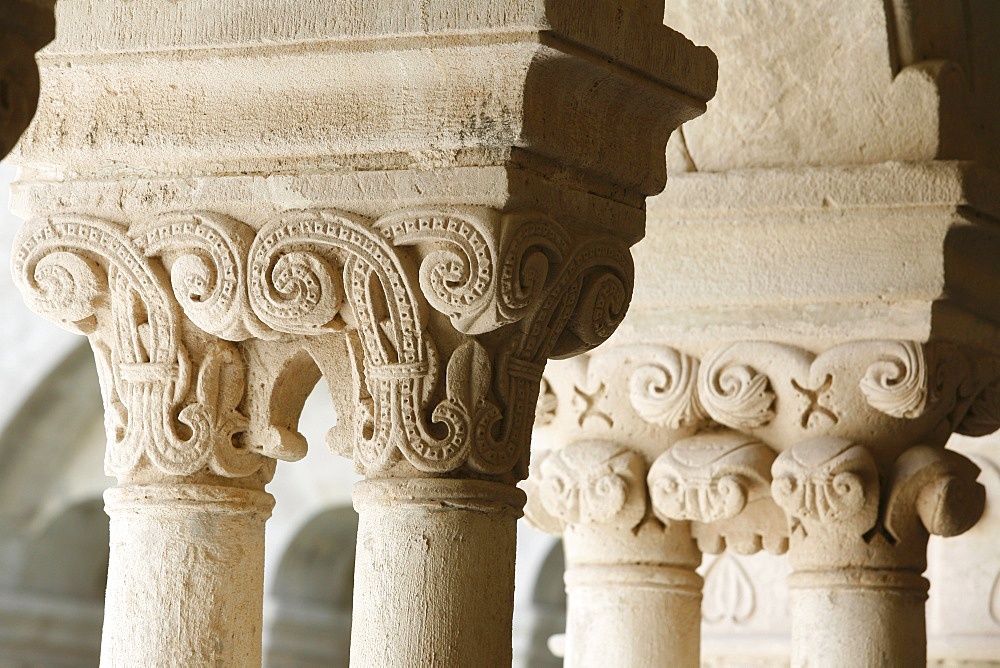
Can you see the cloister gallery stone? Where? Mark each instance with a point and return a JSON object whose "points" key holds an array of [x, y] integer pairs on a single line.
{"points": [[789, 379], [419, 203]]}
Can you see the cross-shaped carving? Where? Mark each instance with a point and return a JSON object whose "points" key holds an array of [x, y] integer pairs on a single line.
{"points": [[588, 402], [815, 407]]}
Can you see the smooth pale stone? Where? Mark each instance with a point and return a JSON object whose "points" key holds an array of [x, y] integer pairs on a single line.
{"points": [[632, 615], [186, 576], [858, 618], [434, 576]]}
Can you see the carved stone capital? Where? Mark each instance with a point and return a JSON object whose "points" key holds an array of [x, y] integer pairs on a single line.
{"points": [[721, 483], [840, 515], [173, 395], [644, 395], [25, 27], [437, 243], [888, 395], [595, 495], [449, 317], [829, 488]]}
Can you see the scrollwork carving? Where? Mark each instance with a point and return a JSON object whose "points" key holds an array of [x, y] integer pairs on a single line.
{"points": [[896, 384], [432, 392], [936, 488], [208, 272], [663, 390], [736, 395], [382, 279], [76, 271]]}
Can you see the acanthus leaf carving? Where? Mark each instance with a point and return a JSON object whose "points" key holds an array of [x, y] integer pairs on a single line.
{"points": [[735, 395], [897, 383], [663, 390], [984, 416]]}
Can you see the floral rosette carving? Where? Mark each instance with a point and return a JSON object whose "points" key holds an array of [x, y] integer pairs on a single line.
{"points": [[91, 277]]}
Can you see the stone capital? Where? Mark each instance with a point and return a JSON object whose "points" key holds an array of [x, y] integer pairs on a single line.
{"points": [[436, 243]]}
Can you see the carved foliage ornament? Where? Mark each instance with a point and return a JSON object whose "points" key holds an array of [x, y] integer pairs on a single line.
{"points": [[899, 391], [636, 385], [440, 398]]}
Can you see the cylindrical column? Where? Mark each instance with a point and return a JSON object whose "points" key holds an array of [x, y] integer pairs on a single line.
{"points": [[434, 576], [858, 617], [186, 576], [633, 615]]}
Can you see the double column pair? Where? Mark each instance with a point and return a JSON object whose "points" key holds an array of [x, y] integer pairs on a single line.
{"points": [[418, 206], [837, 459]]}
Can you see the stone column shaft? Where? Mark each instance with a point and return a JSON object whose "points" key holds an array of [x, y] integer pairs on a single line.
{"points": [[632, 614], [858, 617], [185, 577], [440, 554]]}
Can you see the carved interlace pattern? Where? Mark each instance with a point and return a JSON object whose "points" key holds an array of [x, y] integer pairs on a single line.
{"points": [[424, 297], [77, 271]]}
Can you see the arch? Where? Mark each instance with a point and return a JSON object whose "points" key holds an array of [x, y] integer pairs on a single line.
{"points": [[52, 614], [312, 594], [548, 601]]}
